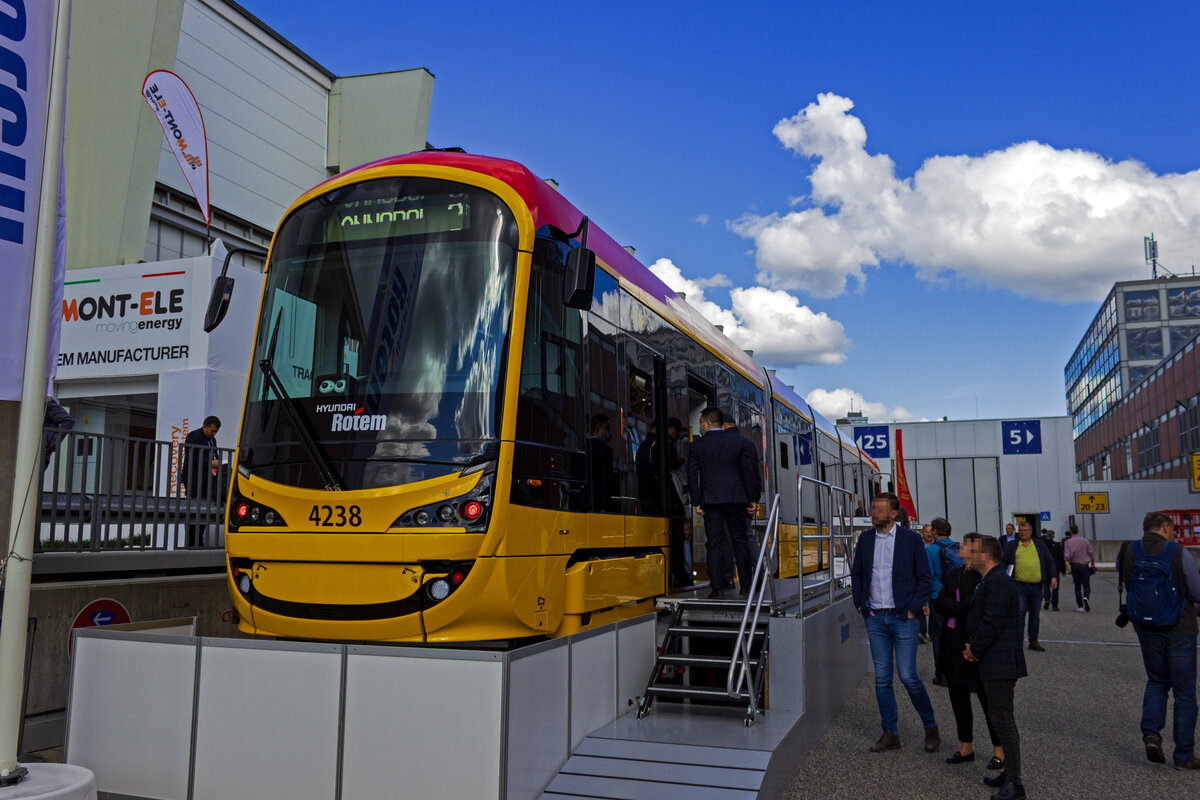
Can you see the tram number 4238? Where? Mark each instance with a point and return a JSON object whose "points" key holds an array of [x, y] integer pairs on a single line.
{"points": [[336, 516]]}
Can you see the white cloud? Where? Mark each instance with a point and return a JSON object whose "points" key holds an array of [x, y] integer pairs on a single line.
{"points": [[701, 218], [771, 322], [1055, 224], [839, 402]]}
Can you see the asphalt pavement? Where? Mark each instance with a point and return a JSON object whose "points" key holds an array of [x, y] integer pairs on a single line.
{"points": [[1078, 714]]}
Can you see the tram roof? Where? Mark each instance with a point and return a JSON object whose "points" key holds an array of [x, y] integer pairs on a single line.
{"points": [[549, 207]]}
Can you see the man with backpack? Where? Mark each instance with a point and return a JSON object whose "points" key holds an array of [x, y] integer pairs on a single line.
{"points": [[1163, 586], [943, 557]]}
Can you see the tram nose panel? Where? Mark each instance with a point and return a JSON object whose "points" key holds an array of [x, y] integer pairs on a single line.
{"points": [[354, 584]]}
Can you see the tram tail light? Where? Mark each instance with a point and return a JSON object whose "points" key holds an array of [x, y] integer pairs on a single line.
{"points": [[242, 510], [471, 510]]}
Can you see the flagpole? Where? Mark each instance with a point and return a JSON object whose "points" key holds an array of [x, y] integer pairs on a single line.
{"points": [[18, 562]]}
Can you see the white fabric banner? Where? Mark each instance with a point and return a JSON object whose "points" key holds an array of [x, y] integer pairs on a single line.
{"points": [[26, 40], [183, 126]]}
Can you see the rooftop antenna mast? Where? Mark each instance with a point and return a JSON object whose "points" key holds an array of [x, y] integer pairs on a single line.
{"points": [[1151, 250]]}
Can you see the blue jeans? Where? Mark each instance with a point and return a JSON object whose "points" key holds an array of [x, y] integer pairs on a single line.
{"points": [[1082, 575], [1031, 604], [1170, 665], [888, 631]]}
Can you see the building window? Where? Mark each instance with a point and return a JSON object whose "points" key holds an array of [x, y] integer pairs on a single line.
{"points": [[1141, 305], [1105, 468], [1149, 449], [1188, 424], [1181, 334], [1136, 374], [1143, 343], [1183, 303]]}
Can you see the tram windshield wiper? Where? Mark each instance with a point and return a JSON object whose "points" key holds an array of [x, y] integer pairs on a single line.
{"points": [[332, 481]]}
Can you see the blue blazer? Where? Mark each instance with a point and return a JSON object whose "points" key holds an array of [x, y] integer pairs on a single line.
{"points": [[911, 578]]}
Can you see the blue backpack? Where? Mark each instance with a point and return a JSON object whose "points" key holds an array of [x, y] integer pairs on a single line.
{"points": [[950, 557], [1153, 600]]}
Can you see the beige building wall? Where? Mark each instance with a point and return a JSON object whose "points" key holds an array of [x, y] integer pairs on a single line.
{"points": [[112, 148], [380, 115]]}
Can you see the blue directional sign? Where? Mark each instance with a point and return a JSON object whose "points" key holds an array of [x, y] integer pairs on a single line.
{"points": [[101, 618], [1045, 516], [804, 448], [1021, 437], [874, 440]]}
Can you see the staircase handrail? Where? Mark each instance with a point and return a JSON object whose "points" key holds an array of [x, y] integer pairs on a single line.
{"points": [[741, 672]]}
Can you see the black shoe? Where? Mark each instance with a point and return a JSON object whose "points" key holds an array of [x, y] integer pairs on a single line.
{"points": [[1054, 609], [1086, 605], [959, 758], [996, 780], [933, 739], [939, 681], [996, 763], [1154, 751], [716, 594], [1191, 763], [1011, 791], [1046, 606]]}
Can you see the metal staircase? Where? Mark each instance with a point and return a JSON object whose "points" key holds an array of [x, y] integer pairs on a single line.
{"points": [[715, 651]]}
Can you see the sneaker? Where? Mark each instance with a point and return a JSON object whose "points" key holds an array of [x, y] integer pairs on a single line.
{"points": [[1154, 751], [1191, 763], [1080, 609], [1086, 606]]}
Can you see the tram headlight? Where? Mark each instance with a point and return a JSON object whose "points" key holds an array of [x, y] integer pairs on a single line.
{"points": [[445, 513], [422, 517], [439, 589], [244, 583], [255, 514]]}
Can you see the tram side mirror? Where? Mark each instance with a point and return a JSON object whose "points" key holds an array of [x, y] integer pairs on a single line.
{"points": [[579, 279], [222, 291], [218, 302]]}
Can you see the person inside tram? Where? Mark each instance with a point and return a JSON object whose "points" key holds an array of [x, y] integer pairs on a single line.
{"points": [[600, 463]]}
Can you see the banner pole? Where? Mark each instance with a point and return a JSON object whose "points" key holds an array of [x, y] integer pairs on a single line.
{"points": [[18, 562]]}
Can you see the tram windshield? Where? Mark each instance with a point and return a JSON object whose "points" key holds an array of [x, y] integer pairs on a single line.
{"points": [[384, 327]]}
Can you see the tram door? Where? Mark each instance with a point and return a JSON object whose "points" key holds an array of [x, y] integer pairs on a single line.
{"points": [[699, 396]]}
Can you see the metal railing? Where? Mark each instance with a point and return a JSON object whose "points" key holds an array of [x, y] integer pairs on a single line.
{"points": [[834, 549], [104, 493], [743, 673]]}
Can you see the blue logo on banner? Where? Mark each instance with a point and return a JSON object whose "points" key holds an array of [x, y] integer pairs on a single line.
{"points": [[874, 440], [1021, 437]]}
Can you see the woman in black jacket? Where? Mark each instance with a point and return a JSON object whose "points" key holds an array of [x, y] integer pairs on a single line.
{"points": [[962, 676]]}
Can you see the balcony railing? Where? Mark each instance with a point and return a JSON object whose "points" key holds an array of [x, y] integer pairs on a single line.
{"points": [[105, 493]]}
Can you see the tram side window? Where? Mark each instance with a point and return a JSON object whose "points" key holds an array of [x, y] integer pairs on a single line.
{"points": [[550, 407], [605, 444]]}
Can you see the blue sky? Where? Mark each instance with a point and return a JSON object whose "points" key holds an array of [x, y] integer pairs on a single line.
{"points": [[919, 205]]}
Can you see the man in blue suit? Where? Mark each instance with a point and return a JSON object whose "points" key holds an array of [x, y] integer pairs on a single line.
{"points": [[891, 582], [721, 485]]}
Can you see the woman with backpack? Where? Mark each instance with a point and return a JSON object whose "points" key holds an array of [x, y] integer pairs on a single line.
{"points": [[962, 676]]}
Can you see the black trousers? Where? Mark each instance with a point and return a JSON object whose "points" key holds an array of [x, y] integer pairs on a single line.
{"points": [[1000, 715], [964, 717], [679, 572], [731, 517]]}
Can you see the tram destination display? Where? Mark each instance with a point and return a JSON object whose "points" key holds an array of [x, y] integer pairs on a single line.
{"points": [[384, 217]]}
